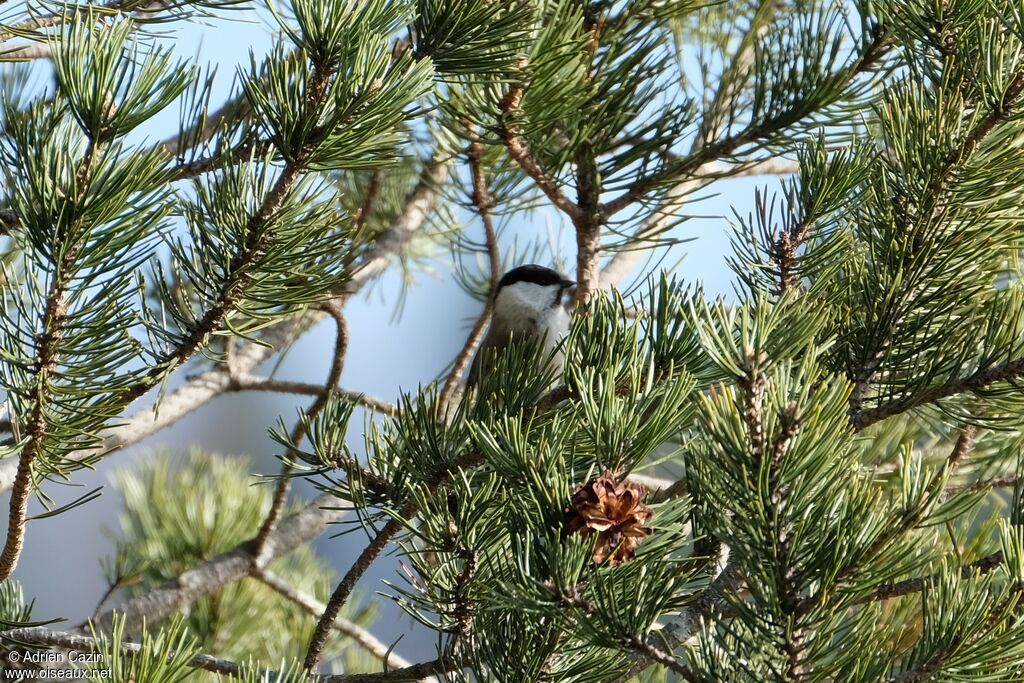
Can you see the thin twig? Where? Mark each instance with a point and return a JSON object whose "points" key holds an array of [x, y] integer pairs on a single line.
{"points": [[311, 605], [298, 433], [519, 150], [280, 386], [483, 202], [347, 584]]}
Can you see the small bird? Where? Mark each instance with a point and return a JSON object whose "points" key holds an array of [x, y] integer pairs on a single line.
{"points": [[527, 305]]}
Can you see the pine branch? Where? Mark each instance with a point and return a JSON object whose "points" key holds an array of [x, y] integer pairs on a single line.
{"points": [[259, 237], [197, 391], [710, 128], [932, 666], [184, 400], [347, 584], [869, 57], [369, 201], [238, 154], [644, 238], [47, 342], [974, 383], [934, 193], [713, 601], [47, 345], [993, 483], [234, 110], [209, 577]]}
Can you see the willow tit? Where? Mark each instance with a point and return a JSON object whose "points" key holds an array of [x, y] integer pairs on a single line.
{"points": [[527, 304]]}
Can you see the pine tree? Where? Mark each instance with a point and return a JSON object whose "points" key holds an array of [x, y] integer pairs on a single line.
{"points": [[816, 479]]}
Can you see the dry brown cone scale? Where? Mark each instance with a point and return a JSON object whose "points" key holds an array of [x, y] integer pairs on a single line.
{"points": [[614, 510]]}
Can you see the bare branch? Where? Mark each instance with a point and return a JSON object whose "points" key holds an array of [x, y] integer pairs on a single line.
{"points": [[366, 640], [333, 309], [211, 576], [281, 386], [483, 202], [347, 585]]}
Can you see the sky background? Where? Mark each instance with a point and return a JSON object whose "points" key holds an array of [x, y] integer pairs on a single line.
{"points": [[60, 566]]}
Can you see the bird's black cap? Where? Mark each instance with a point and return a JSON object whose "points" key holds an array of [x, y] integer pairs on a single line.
{"points": [[538, 275]]}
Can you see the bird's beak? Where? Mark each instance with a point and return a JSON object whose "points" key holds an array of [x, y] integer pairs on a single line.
{"points": [[566, 284]]}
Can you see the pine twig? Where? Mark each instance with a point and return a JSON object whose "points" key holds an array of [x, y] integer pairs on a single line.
{"points": [[378, 649], [484, 202], [519, 150], [248, 382], [333, 309], [347, 584], [197, 391], [975, 382], [887, 591]]}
